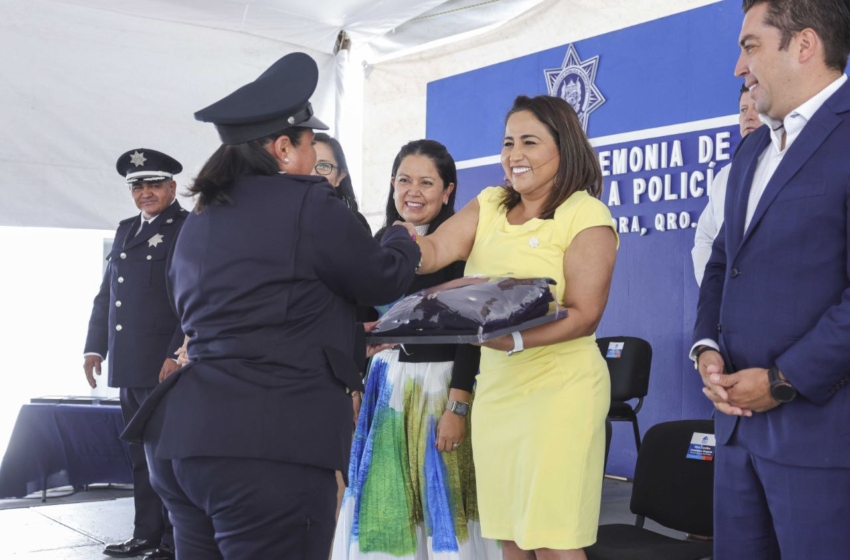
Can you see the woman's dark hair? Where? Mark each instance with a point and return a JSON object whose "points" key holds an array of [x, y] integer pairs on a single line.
{"points": [[445, 165], [344, 191], [230, 162], [578, 169]]}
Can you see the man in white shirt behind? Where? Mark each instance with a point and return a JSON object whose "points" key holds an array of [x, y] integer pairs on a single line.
{"points": [[712, 216]]}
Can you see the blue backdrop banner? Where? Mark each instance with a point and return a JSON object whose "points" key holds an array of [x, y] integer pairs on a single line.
{"points": [[659, 102]]}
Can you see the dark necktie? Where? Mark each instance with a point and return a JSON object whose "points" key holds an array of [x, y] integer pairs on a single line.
{"points": [[143, 229]]}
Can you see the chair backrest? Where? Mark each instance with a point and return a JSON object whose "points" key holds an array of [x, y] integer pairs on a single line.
{"points": [[629, 360], [670, 488]]}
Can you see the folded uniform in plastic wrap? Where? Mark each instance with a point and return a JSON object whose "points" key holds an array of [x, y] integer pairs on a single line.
{"points": [[469, 309]]}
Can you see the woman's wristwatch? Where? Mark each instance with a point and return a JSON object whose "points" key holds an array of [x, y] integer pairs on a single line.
{"points": [[459, 408], [518, 347]]}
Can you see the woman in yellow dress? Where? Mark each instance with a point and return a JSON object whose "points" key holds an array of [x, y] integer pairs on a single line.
{"points": [[543, 394]]}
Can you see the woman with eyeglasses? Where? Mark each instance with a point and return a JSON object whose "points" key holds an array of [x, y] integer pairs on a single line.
{"points": [[331, 164], [412, 485]]}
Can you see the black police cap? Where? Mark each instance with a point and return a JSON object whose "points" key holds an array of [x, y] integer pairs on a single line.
{"points": [[277, 100], [143, 164]]}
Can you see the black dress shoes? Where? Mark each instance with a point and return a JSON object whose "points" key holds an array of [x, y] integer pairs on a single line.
{"points": [[131, 548], [163, 552]]}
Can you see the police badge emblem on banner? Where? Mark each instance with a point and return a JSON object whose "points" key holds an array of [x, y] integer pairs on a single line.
{"points": [[574, 82]]}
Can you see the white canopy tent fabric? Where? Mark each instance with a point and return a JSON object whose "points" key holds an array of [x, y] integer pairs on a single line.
{"points": [[309, 25], [81, 86], [82, 81]]}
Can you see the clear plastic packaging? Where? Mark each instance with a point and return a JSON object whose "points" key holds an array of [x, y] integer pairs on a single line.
{"points": [[468, 310]]}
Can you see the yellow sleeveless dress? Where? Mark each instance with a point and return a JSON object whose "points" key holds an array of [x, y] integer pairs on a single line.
{"points": [[538, 424]]}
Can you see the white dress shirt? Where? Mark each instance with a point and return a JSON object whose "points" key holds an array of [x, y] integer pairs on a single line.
{"points": [[709, 222], [791, 126], [769, 160]]}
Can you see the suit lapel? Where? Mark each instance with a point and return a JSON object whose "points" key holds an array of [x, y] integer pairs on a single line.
{"points": [[134, 227], [737, 203], [816, 131], [152, 229], [144, 235]]}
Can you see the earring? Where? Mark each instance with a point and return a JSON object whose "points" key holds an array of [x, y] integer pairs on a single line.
{"points": [[286, 160]]}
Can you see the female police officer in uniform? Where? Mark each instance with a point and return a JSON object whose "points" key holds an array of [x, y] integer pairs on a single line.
{"points": [[244, 440]]}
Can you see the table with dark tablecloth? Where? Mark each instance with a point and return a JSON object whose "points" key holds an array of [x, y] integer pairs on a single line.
{"points": [[56, 445]]}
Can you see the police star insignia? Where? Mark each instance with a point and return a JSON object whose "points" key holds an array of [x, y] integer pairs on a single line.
{"points": [[138, 158], [574, 83], [155, 240]]}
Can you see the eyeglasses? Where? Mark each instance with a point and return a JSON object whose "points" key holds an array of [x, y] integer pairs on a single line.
{"points": [[325, 168]]}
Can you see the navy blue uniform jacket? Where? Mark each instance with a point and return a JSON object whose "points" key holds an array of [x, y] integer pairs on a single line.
{"points": [[133, 323], [266, 288], [779, 293]]}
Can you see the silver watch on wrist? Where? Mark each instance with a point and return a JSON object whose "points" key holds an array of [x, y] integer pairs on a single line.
{"points": [[518, 347], [459, 408]]}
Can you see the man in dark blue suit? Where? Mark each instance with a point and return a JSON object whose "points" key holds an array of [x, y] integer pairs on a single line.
{"points": [[134, 324], [773, 324]]}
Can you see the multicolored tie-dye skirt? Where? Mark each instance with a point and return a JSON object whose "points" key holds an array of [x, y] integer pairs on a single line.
{"points": [[406, 499]]}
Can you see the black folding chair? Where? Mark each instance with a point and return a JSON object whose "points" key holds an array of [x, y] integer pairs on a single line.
{"points": [[629, 360], [672, 490]]}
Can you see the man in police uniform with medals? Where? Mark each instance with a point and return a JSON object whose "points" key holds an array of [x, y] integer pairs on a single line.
{"points": [[134, 324]]}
